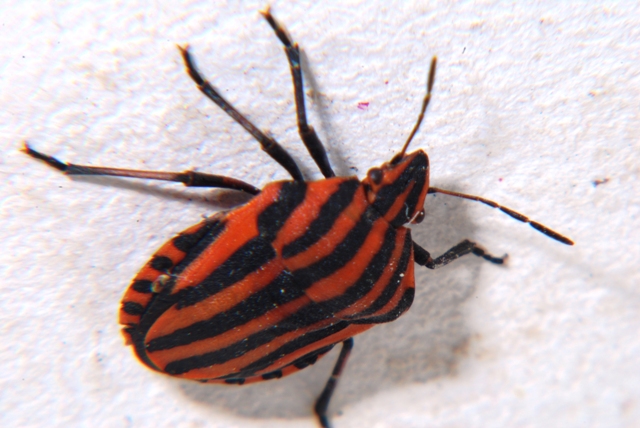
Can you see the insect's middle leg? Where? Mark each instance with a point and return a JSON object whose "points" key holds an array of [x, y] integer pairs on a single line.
{"points": [[423, 258], [306, 131]]}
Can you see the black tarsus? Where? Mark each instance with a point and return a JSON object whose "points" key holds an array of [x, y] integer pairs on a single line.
{"points": [[188, 178], [268, 144], [423, 258], [306, 131], [322, 403]]}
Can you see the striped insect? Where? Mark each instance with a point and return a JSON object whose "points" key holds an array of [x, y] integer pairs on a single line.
{"points": [[264, 290]]}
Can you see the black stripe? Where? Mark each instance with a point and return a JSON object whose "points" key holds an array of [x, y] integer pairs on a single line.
{"points": [[405, 303], [138, 346], [311, 357], [133, 308], [142, 286], [240, 348], [301, 363], [327, 216], [198, 241], [293, 346], [410, 202], [394, 281], [253, 254], [280, 291], [159, 304], [277, 374], [186, 241], [387, 195], [247, 259], [271, 220], [161, 263]]}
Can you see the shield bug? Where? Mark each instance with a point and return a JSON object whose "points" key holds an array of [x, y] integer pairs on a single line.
{"points": [[264, 290]]}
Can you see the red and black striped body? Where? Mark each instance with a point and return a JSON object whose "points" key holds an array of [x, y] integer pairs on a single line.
{"points": [[263, 290]]}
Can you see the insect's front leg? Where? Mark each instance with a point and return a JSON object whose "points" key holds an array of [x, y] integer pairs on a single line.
{"points": [[423, 258]]}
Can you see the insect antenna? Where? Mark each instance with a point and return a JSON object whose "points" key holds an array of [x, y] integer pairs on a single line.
{"points": [[521, 217], [425, 103]]}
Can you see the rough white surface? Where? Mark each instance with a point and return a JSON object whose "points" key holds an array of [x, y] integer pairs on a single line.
{"points": [[533, 102]]}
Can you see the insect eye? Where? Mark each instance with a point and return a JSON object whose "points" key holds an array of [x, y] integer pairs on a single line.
{"points": [[375, 175], [419, 217]]}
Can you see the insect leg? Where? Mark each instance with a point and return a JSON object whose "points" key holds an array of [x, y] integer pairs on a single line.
{"points": [[306, 131], [269, 145], [188, 178], [322, 403], [423, 258]]}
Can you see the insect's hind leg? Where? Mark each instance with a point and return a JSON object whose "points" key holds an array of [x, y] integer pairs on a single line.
{"points": [[423, 258], [322, 403], [188, 178], [306, 131]]}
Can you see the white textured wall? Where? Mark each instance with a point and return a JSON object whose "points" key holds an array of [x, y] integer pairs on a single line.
{"points": [[532, 103]]}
